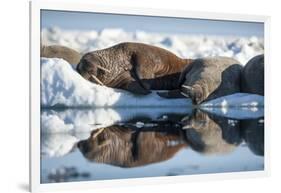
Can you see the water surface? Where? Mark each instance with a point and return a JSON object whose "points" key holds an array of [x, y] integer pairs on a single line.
{"points": [[101, 144]]}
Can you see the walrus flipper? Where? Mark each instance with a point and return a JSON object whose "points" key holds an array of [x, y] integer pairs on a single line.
{"points": [[125, 81], [141, 87], [136, 88]]}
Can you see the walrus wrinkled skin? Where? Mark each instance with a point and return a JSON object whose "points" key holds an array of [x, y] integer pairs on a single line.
{"points": [[127, 147], [56, 51], [208, 78], [252, 80], [135, 67]]}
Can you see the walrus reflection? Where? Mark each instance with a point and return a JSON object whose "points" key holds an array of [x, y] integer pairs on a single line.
{"points": [[127, 147], [209, 134], [253, 134]]}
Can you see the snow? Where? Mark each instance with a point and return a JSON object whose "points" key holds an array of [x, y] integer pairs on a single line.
{"points": [[183, 45]]}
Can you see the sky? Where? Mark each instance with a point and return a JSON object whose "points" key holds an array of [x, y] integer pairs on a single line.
{"points": [[98, 21]]}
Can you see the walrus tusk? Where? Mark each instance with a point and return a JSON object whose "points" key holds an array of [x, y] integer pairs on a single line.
{"points": [[187, 87], [102, 68], [187, 127], [97, 133], [97, 80], [185, 95]]}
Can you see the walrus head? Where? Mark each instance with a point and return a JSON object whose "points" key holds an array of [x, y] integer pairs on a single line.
{"points": [[91, 68]]}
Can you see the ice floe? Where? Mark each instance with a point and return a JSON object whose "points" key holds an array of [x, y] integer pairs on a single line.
{"points": [[183, 45]]}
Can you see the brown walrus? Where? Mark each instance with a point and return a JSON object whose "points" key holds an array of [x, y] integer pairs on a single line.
{"points": [[252, 80], [208, 78], [56, 51], [126, 147], [135, 67]]}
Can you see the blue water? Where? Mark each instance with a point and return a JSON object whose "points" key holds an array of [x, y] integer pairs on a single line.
{"points": [[166, 145]]}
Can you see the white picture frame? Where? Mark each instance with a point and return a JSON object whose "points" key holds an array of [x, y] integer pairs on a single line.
{"points": [[64, 5]]}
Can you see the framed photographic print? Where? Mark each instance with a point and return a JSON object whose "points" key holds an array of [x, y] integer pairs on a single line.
{"points": [[126, 96]]}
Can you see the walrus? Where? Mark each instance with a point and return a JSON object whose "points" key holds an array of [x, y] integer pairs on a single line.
{"points": [[136, 67], [208, 78], [128, 147], [57, 51], [252, 79]]}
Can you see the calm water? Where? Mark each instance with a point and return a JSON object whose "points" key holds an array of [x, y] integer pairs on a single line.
{"points": [[100, 144]]}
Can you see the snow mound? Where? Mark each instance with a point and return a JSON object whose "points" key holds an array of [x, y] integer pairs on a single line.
{"points": [[61, 85], [183, 45]]}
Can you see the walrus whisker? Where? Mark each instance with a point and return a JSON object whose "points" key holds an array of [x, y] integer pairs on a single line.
{"points": [[97, 80], [97, 133], [104, 69]]}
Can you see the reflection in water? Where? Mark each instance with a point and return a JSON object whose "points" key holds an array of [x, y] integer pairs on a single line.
{"points": [[160, 143], [127, 145], [253, 134], [211, 134], [66, 174]]}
